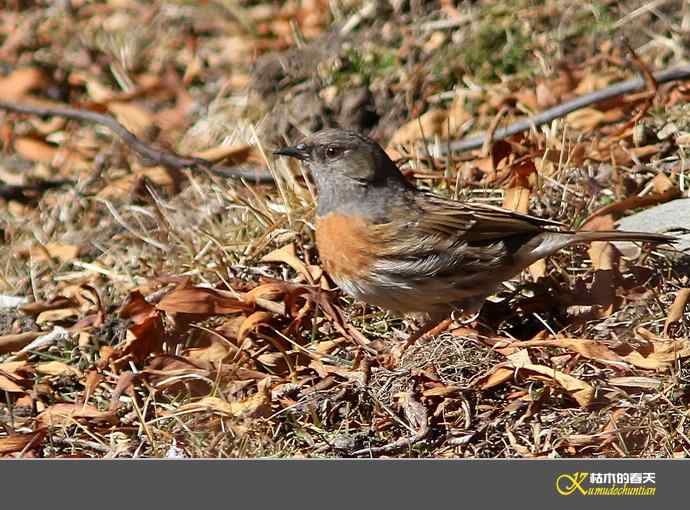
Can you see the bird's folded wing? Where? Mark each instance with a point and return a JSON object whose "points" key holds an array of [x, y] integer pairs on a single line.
{"points": [[472, 221]]}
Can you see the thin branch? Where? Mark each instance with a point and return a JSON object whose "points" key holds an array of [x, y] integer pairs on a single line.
{"points": [[417, 415], [650, 84], [489, 138], [154, 156], [150, 155], [401, 444], [618, 89]]}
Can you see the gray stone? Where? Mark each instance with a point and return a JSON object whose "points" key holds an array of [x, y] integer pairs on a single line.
{"points": [[662, 218]]}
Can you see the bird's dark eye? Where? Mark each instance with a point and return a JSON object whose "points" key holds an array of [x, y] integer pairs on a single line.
{"points": [[332, 152]]}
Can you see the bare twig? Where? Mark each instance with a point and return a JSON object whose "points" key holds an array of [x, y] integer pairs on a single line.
{"points": [[489, 139], [618, 89], [651, 86], [150, 155], [394, 447], [418, 418], [80, 444]]}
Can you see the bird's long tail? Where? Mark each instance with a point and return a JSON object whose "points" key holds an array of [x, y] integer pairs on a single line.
{"points": [[617, 235], [548, 243]]}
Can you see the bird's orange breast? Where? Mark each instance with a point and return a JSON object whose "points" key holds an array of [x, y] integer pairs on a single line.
{"points": [[344, 245]]}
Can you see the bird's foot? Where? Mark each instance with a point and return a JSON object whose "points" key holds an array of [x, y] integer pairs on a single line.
{"points": [[428, 330]]}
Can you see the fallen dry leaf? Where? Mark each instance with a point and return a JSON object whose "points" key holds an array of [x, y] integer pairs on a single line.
{"points": [[287, 255], [677, 310], [37, 307], [202, 300], [37, 150], [602, 221], [18, 442], [582, 392], [430, 124], [12, 367], [34, 149], [663, 353], [633, 202], [269, 291], [146, 334], [649, 383], [8, 385], [61, 252], [599, 439], [586, 119], [133, 117], [137, 308], [441, 391], [545, 97], [13, 343], [457, 117], [21, 81], [497, 377], [251, 323], [256, 406], [229, 154], [214, 353], [124, 382], [57, 368], [604, 256], [519, 358], [93, 379], [588, 348], [325, 370], [57, 315], [415, 412], [621, 155], [517, 199], [64, 414], [125, 186]]}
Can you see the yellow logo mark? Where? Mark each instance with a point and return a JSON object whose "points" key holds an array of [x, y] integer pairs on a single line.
{"points": [[567, 484]]}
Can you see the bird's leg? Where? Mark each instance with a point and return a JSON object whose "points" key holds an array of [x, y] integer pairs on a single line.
{"points": [[436, 324], [468, 310]]}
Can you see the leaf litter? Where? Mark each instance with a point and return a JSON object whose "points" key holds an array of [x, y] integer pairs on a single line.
{"points": [[172, 310]]}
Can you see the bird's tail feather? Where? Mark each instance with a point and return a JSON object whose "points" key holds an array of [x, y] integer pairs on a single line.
{"points": [[548, 243], [617, 235]]}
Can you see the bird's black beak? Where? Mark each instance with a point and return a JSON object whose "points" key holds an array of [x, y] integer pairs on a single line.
{"points": [[299, 151]]}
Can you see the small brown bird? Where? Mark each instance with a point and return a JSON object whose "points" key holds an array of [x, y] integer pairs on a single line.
{"points": [[391, 245]]}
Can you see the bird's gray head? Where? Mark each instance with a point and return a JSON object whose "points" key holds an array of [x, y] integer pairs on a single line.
{"points": [[346, 166]]}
